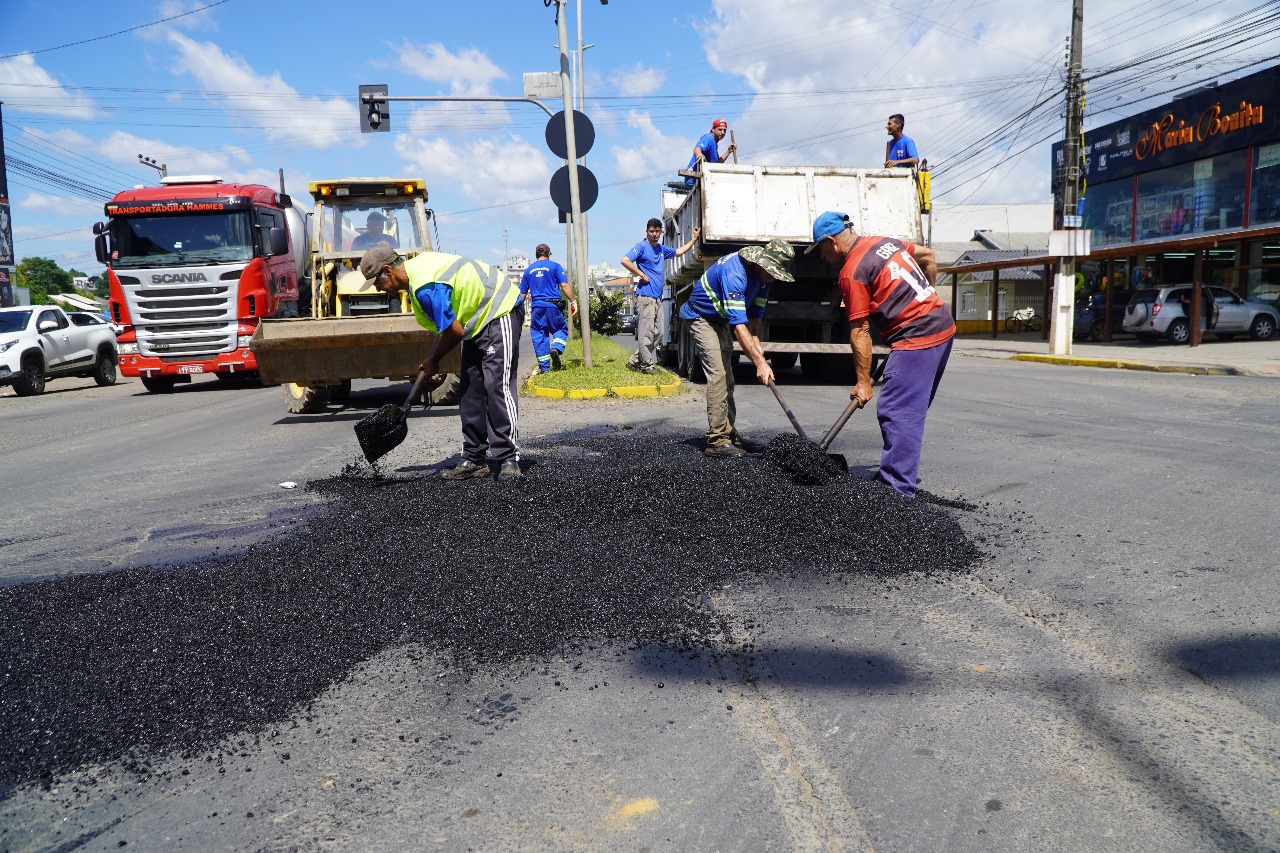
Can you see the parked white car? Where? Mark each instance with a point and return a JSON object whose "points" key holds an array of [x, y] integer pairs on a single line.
{"points": [[40, 342], [1156, 312]]}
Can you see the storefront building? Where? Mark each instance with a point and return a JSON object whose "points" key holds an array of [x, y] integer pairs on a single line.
{"points": [[1200, 174]]}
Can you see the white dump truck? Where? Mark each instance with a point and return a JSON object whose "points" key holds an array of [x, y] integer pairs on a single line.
{"points": [[350, 330], [741, 205]]}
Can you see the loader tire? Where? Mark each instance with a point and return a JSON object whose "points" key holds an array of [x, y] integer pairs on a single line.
{"points": [[302, 400]]}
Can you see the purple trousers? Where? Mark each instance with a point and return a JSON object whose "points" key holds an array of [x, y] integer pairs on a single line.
{"points": [[911, 379]]}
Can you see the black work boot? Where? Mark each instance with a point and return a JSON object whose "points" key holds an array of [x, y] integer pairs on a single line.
{"points": [[555, 360], [510, 470], [465, 470], [725, 451]]}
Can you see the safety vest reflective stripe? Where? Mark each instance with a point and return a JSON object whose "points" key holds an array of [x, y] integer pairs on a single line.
{"points": [[496, 294], [716, 302], [493, 282]]}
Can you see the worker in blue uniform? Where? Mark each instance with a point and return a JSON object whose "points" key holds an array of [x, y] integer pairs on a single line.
{"points": [[546, 288]]}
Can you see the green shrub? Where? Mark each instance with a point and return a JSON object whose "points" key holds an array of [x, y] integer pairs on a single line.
{"points": [[605, 314]]}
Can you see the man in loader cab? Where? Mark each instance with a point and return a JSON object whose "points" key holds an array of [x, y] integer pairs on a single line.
{"points": [[468, 302], [374, 234]]}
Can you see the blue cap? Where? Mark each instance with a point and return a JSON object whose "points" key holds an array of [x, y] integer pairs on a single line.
{"points": [[827, 225]]}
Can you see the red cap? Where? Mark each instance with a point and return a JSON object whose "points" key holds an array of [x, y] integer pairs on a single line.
{"points": [[719, 123]]}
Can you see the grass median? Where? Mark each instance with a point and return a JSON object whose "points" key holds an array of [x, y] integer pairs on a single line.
{"points": [[608, 369]]}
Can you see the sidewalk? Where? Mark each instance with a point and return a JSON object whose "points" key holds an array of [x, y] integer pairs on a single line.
{"points": [[1239, 357]]}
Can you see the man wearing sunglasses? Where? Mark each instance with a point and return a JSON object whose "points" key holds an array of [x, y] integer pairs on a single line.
{"points": [[469, 302]]}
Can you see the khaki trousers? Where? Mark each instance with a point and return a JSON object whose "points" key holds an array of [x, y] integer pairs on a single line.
{"points": [[648, 331], [713, 347]]}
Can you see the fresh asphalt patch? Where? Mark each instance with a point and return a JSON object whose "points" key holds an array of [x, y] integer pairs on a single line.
{"points": [[610, 541]]}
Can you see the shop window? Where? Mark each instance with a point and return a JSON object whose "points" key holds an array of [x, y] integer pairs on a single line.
{"points": [[1108, 212], [1192, 198], [1264, 204]]}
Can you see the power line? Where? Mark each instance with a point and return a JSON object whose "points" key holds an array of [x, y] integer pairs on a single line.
{"points": [[117, 33]]}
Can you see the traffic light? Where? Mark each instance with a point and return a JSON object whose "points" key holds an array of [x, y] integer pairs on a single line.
{"points": [[374, 117]]}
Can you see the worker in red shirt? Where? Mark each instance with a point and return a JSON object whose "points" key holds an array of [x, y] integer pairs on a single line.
{"points": [[890, 282]]}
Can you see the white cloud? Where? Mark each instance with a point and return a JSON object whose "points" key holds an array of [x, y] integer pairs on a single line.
{"points": [[486, 170], [653, 152], [468, 72], [266, 99], [35, 202], [639, 81], [199, 21], [26, 87], [961, 74]]}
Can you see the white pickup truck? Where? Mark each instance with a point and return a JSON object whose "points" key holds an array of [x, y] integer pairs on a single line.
{"points": [[42, 342]]}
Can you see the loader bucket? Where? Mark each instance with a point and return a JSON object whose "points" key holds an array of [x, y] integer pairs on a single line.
{"points": [[325, 351]]}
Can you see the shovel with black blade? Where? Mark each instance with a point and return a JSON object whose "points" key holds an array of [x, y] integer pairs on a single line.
{"points": [[382, 432]]}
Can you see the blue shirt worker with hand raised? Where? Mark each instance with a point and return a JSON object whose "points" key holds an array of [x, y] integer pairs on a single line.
{"points": [[471, 303], [708, 148], [900, 150], [726, 304], [646, 260], [543, 285]]}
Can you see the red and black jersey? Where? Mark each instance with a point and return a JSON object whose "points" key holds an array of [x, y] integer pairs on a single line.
{"points": [[881, 279]]}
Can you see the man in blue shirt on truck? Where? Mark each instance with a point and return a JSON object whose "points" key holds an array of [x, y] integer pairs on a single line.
{"points": [[726, 304], [646, 260]]}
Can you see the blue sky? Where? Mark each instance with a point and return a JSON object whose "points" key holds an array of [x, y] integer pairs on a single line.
{"points": [[244, 88]]}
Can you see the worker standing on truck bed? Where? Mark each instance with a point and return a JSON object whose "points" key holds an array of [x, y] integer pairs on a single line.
{"points": [[707, 148], [473, 303], [545, 285], [727, 303], [900, 150], [891, 281], [646, 260]]}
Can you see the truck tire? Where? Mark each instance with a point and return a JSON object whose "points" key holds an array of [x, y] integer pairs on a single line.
{"points": [[783, 360], [341, 392], [104, 371], [31, 382], [159, 384], [301, 400], [812, 365], [446, 394]]}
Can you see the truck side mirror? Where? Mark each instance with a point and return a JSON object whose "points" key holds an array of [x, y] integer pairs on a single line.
{"points": [[100, 248], [279, 242]]}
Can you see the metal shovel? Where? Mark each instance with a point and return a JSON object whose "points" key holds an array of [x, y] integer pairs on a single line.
{"points": [[382, 432], [790, 415]]}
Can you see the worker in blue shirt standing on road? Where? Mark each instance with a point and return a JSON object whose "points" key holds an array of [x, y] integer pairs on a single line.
{"points": [[645, 260], [471, 303], [727, 303], [542, 285]]}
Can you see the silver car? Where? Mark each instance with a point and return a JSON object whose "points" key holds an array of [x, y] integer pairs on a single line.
{"points": [[1156, 312]]}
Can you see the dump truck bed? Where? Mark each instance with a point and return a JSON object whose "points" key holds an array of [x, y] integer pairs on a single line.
{"points": [[326, 351]]}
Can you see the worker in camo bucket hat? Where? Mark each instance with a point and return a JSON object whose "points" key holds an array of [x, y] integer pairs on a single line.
{"points": [[727, 303]]}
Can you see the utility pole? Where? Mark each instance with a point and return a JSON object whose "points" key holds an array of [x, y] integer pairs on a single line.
{"points": [[506, 255], [582, 107], [571, 161], [1065, 285], [153, 163]]}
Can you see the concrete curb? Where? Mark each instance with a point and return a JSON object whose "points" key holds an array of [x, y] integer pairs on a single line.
{"points": [[1193, 369], [634, 391]]}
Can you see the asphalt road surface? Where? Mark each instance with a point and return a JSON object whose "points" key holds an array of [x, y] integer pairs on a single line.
{"points": [[1104, 679]]}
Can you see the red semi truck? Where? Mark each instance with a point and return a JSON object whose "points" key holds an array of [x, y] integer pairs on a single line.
{"points": [[194, 265]]}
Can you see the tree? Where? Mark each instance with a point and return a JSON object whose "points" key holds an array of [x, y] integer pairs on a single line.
{"points": [[605, 311], [42, 276], [101, 286]]}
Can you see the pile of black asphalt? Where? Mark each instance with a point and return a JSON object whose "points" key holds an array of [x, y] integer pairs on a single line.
{"points": [[805, 462], [611, 541]]}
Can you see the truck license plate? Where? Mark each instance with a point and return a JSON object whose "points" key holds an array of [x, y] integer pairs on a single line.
{"points": [[191, 368]]}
